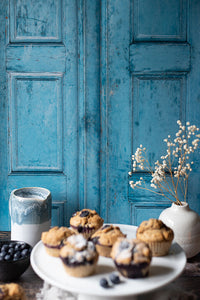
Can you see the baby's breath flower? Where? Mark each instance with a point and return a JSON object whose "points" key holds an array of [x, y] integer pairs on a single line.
{"points": [[174, 165], [153, 185]]}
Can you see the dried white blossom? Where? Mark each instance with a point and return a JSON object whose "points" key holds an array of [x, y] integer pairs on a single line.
{"points": [[178, 152]]}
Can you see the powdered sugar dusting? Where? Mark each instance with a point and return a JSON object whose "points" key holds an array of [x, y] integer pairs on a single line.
{"points": [[49, 292], [127, 253], [82, 251], [125, 250], [78, 241]]}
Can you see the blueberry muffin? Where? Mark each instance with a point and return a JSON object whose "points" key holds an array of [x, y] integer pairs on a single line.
{"points": [[86, 222], [79, 256], [12, 291], [105, 237], [54, 239], [131, 257], [157, 235]]}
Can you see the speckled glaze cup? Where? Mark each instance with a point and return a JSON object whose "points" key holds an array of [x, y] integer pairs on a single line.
{"points": [[30, 211]]}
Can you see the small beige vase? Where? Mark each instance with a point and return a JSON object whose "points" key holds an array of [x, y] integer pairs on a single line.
{"points": [[186, 226]]}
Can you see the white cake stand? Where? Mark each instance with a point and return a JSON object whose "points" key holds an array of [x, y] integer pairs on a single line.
{"points": [[162, 271]]}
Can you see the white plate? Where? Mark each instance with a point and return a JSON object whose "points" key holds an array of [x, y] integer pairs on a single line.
{"points": [[162, 271]]}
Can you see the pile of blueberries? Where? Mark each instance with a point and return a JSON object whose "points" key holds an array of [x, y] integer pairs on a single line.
{"points": [[13, 251], [114, 278]]}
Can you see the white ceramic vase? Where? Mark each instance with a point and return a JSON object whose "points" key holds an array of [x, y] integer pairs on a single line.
{"points": [[186, 226]]}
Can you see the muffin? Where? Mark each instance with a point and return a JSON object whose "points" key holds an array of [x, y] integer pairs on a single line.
{"points": [[12, 291], [79, 256], [131, 257], [86, 222], [105, 237], [157, 235], [54, 239]]}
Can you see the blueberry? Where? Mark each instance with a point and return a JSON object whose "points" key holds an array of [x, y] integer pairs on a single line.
{"points": [[8, 257], [17, 247], [95, 240], [114, 278], [24, 253], [11, 251], [80, 228], [104, 283], [11, 245], [124, 245], [134, 250], [84, 213], [3, 254], [4, 247], [17, 255], [23, 246]]}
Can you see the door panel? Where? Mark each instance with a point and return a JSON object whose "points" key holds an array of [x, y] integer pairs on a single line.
{"points": [[36, 122], [36, 58], [158, 101], [159, 20], [165, 57], [35, 21]]}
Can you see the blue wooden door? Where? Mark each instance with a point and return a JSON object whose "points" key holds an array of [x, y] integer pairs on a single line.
{"points": [[150, 79], [82, 84], [45, 106]]}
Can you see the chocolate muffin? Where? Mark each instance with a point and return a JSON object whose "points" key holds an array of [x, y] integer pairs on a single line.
{"points": [[79, 256], [54, 239], [105, 237], [86, 222], [132, 257], [157, 235], [12, 291]]}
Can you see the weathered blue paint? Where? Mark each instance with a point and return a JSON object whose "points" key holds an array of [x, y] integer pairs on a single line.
{"points": [[38, 21], [35, 58], [147, 85], [170, 57], [41, 64], [30, 131], [163, 97], [89, 104], [82, 85], [4, 197], [159, 20], [116, 110], [193, 98]]}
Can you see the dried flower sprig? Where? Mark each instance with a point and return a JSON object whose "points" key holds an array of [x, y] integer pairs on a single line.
{"points": [[172, 173]]}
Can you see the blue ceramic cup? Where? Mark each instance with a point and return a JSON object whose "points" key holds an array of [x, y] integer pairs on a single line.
{"points": [[30, 212]]}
